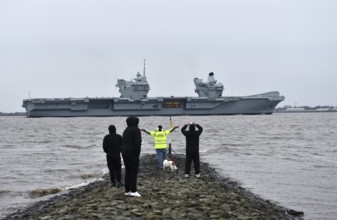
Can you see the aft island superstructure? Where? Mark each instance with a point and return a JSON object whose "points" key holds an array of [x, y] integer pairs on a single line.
{"points": [[134, 101]]}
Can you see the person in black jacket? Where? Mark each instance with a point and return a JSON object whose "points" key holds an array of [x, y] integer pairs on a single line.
{"points": [[131, 148], [192, 148], [112, 146]]}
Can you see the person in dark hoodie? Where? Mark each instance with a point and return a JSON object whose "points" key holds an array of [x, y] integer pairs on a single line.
{"points": [[131, 148], [112, 146], [192, 148]]}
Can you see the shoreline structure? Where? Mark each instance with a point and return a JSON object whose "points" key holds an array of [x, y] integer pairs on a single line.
{"points": [[165, 195]]}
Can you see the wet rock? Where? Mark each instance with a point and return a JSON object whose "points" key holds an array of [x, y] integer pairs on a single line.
{"points": [[295, 213], [44, 192], [165, 195]]}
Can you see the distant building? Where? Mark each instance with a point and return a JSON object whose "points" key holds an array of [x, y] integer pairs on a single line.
{"points": [[323, 109], [295, 109]]}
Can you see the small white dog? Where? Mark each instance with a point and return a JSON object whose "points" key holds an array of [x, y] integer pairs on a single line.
{"points": [[169, 164]]}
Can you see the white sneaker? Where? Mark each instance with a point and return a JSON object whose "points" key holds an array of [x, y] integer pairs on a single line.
{"points": [[135, 194], [197, 175], [127, 193], [186, 175]]}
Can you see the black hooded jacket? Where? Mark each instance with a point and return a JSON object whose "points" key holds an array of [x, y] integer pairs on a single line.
{"points": [[192, 138], [112, 143], [132, 138]]}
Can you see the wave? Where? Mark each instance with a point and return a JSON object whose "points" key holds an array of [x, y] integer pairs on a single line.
{"points": [[4, 192], [84, 146], [89, 176], [78, 185], [203, 151], [72, 146]]}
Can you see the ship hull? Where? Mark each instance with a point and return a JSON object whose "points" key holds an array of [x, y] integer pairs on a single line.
{"points": [[159, 106]]}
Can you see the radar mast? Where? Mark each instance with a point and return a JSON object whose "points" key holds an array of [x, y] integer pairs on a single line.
{"points": [[144, 68]]}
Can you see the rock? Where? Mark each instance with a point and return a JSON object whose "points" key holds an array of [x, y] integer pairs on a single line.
{"points": [[136, 212], [167, 195], [122, 207], [151, 216], [167, 211], [295, 213]]}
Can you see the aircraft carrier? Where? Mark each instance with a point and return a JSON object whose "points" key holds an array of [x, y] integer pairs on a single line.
{"points": [[134, 101]]}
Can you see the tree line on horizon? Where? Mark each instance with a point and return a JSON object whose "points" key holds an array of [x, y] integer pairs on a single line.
{"points": [[308, 107], [12, 113]]}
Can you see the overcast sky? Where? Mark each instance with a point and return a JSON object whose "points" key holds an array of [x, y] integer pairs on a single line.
{"points": [[79, 48]]}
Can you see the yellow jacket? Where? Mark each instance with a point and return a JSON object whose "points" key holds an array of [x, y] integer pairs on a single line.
{"points": [[160, 138]]}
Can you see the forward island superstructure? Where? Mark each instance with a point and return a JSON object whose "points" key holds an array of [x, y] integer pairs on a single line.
{"points": [[134, 101]]}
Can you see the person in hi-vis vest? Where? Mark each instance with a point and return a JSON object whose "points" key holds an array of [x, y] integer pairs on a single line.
{"points": [[160, 142]]}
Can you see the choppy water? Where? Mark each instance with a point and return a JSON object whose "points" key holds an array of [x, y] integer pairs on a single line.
{"points": [[288, 158]]}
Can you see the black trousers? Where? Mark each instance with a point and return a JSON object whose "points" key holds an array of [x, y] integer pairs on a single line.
{"points": [[131, 172], [196, 161], [115, 168]]}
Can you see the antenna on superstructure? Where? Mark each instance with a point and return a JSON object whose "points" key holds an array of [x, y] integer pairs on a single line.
{"points": [[144, 68]]}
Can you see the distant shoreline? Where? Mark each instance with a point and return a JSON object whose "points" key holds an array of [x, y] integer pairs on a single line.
{"points": [[303, 111], [13, 114]]}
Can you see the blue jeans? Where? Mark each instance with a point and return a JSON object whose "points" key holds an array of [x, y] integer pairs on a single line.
{"points": [[161, 156]]}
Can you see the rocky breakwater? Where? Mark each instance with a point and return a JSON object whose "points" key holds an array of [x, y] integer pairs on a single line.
{"points": [[165, 195]]}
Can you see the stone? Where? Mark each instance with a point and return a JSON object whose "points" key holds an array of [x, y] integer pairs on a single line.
{"points": [[167, 195]]}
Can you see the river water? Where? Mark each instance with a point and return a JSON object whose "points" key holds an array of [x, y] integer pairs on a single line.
{"points": [[288, 158]]}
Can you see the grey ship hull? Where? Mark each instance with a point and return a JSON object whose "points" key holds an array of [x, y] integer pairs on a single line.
{"points": [[160, 106]]}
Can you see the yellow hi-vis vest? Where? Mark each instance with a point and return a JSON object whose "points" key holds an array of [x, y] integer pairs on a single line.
{"points": [[160, 138]]}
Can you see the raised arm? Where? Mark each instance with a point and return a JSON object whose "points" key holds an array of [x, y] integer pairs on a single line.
{"points": [[183, 129], [146, 131], [174, 128], [200, 129]]}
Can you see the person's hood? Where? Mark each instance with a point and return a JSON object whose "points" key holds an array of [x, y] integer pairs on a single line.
{"points": [[112, 129], [132, 121], [192, 127]]}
